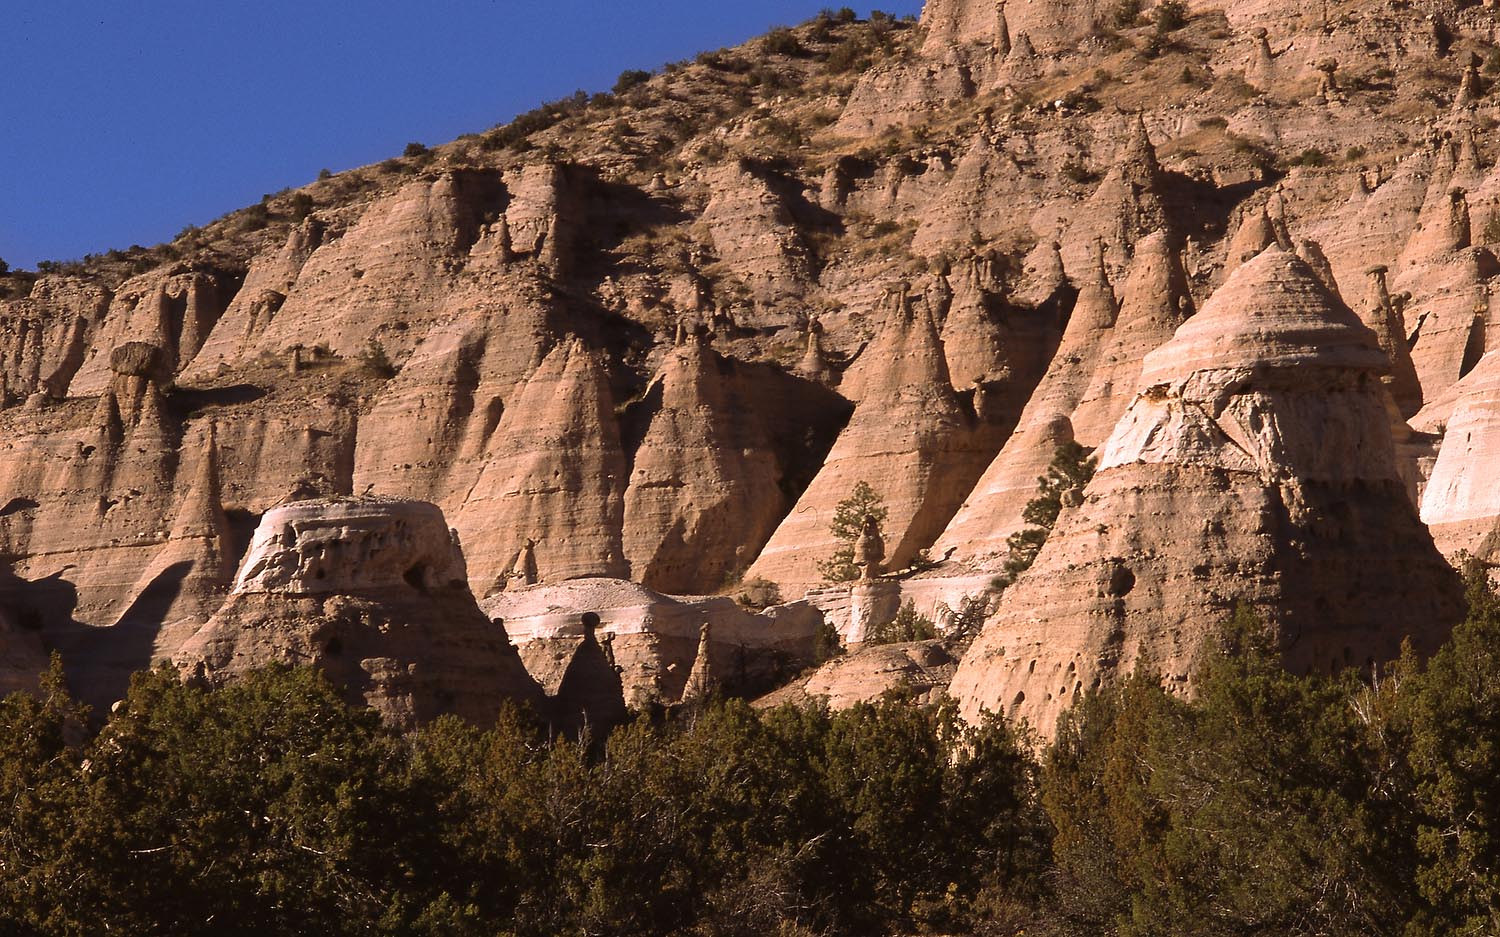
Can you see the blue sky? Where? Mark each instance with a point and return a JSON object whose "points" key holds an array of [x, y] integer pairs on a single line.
{"points": [[126, 120]]}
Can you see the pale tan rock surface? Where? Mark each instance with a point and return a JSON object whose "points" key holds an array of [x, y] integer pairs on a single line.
{"points": [[410, 328], [920, 671], [174, 309], [1090, 382], [1154, 301], [1461, 503], [704, 493], [46, 335], [554, 473], [1255, 466], [374, 593], [653, 638], [910, 438], [267, 283]]}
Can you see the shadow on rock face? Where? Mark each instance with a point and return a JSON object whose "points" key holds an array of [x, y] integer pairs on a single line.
{"points": [[591, 694]]}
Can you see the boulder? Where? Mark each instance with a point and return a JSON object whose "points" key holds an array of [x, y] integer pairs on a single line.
{"points": [[375, 594]]}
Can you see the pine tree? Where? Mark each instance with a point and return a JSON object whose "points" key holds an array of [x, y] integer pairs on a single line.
{"points": [[1071, 470], [848, 523]]}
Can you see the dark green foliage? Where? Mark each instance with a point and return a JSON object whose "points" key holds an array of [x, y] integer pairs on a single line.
{"points": [[1170, 16], [781, 41], [848, 524], [1266, 803], [630, 79], [907, 626], [414, 150], [254, 218], [1455, 755], [1070, 472], [826, 643], [376, 361], [272, 808], [4, 268], [1279, 804], [299, 206], [1125, 13], [1311, 157], [517, 133]]}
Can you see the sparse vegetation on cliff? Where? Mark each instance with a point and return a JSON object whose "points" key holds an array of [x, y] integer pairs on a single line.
{"points": [[848, 522]]}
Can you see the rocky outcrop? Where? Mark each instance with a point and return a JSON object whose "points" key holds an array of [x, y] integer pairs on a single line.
{"points": [[1461, 503], [1128, 205], [753, 232], [387, 276], [1380, 315], [374, 593], [1255, 466], [993, 510], [267, 284], [1154, 302], [452, 393], [653, 639], [555, 474], [22, 657], [173, 309], [704, 491], [911, 438], [919, 671], [45, 336], [1050, 23], [190, 575]]}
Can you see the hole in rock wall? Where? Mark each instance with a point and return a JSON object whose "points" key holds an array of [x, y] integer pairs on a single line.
{"points": [[416, 577]]}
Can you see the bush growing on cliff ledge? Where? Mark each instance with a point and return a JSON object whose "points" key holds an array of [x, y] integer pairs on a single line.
{"points": [[848, 524]]}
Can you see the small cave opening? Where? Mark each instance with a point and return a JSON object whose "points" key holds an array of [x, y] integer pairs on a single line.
{"points": [[334, 647], [416, 577]]}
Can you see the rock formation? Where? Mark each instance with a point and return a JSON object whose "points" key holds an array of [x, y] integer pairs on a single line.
{"points": [[1261, 430], [22, 657], [704, 492], [554, 473], [374, 593], [663, 336], [655, 640], [1155, 300], [920, 672], [1461, 504], [910, 438], [1127, 206]]}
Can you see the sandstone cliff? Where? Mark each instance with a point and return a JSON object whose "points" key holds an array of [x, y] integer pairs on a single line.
{"points": [[1255, 466], [374, 594], [624, 336]]}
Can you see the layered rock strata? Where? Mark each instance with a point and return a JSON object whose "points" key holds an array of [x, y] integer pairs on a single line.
{"points": [[375, 594], [653, 639], [1255, 466]]}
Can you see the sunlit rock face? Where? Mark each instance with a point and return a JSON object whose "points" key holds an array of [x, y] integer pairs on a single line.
{"points": [[1254, 466], [374, 593]]}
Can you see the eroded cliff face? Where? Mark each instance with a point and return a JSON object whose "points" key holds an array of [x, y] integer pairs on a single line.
{"points": [[1255, 466], [374, 593], [660, 336]]}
